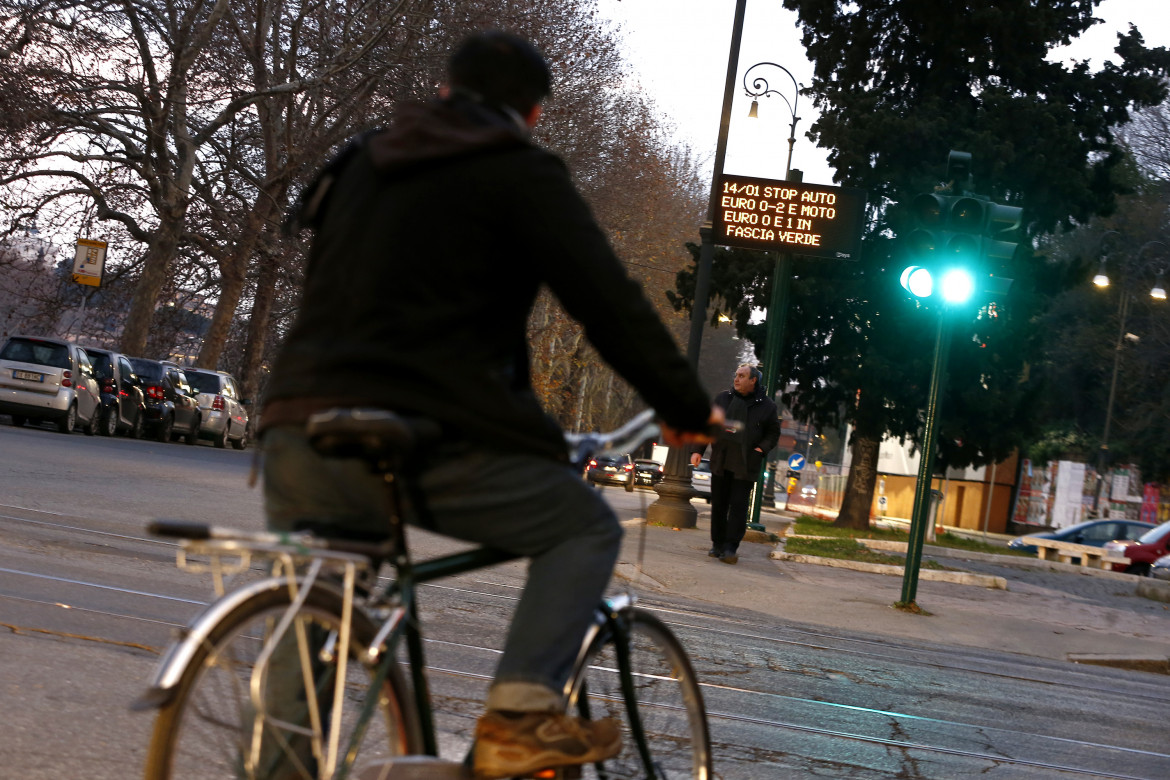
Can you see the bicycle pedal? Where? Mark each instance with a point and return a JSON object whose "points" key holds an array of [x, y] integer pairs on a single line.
{"points": [[412, 768]]}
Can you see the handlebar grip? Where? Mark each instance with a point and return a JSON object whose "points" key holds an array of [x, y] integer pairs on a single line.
{"points": [[183, 529]]}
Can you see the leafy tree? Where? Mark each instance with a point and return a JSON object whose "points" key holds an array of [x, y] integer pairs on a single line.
{"points": [[898, 85]]}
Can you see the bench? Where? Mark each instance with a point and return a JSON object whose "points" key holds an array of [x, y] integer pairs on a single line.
{"points": [[1064, 552]]}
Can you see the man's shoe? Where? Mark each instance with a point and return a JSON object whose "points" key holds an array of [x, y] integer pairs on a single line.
{"points": [[729, 556], [507, 745], [714, 552]]}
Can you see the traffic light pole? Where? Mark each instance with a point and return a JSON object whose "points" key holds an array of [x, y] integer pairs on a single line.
{"points": [[920, 516]]}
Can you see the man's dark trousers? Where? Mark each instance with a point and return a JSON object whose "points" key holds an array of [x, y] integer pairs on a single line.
{"points": [[729, 508]]}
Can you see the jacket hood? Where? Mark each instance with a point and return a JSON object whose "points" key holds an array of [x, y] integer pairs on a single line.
{"points": [[440, 130]]}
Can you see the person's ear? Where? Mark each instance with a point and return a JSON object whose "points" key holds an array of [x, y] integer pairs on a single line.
{"points": [[444, 91], [533, 116]]}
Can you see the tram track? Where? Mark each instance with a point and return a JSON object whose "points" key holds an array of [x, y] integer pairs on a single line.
{"points": [[715, 629]]}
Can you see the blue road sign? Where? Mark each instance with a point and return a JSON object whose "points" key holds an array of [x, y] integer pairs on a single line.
{"points": [[796, 461]]}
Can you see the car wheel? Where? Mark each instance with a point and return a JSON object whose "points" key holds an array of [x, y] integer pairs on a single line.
{"points": [[110, 421], [242, 442], [1140, 569], [138, 428], [222, 441], [165, 426], [18, 420], [193, 434], [91, 425], [67, 423]]}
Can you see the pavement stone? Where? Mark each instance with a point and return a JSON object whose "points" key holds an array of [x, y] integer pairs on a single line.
{"points": [[1054, 611]]}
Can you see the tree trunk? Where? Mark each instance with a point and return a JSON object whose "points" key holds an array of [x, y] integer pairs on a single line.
{"points": [[159, 255], [258, 326], [860, 483], [233, 270]]}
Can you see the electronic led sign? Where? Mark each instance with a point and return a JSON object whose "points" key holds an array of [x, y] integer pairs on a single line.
{"points": [[790, 216]]}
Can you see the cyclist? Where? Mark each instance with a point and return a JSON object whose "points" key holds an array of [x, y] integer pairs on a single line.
{"points": [[432, 238]]}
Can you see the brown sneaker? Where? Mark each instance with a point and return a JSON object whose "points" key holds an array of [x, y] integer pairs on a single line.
{"points": [[510, 745]]}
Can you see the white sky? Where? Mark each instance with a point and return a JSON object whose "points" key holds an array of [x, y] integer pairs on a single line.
{"points": [[679, 49]]}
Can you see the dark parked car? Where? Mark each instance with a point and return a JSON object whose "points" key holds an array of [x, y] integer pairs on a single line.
{"points": [[1143, 551], [48, 379], [171, 408], [1091, 532], [647, 473], [701, 479], [224, 417], [617, 470], [123, 402]]}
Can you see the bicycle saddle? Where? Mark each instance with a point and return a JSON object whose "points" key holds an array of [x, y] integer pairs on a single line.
{"points": [[369, 433]]}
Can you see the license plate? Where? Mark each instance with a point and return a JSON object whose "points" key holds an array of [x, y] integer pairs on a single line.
{"points": [[28, 375]]}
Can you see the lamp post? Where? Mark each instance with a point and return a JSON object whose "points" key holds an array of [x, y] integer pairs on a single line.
{"points": [[1157, 292], [757, 86], [673, 506]]}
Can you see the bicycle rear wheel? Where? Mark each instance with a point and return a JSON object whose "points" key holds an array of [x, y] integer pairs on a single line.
{"points": [[206, 729], [669, 704]]}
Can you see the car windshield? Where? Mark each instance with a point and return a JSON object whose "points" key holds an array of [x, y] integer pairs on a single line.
{"points": [[203, 383], [42, 353], [1154, 535], [147, 369]]}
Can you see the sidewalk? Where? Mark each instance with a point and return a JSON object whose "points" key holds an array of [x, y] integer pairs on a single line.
{"points": [[1056, 611]]}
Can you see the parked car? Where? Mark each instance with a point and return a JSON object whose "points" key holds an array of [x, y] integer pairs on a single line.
{"points": [[701, 479], [123, 402], [223, 414], [617, 470], [808, 493], [1160, 569], [647, 472], [171, 408], [48, 379], [1091, 532], [1143, 551]]}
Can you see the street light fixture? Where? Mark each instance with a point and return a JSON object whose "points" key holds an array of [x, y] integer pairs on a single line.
{"points": [[759, 88], [1157, 292]]}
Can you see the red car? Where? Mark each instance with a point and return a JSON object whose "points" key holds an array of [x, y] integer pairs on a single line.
{"points": [[1143, 551]]}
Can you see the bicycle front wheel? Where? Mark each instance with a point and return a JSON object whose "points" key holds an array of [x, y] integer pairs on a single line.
{"points": [[664, 702], [211, 729]]}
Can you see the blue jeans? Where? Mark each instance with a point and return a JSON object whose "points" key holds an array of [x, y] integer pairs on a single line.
{"points": [[523, 504]]}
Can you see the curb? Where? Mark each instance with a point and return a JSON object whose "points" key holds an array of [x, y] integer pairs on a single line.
{"points": [[957, 577], [1158, 590], [1019, 561]]}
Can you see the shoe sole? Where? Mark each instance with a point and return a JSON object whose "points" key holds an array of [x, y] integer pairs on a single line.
{"points": [[489, 765], [729, 559]]}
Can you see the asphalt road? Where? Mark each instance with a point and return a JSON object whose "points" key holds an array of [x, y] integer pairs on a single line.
{"points": [[87, 601]]}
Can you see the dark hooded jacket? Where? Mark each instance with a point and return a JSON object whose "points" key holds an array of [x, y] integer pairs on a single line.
{"points": [[432, 240], [761, 429]]}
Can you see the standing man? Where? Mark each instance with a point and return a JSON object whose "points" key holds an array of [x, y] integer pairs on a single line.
{"points": [[736, 457], [431, 240]]}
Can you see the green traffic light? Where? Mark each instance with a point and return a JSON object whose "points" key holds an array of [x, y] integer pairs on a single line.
{"points": [[957, 285]]}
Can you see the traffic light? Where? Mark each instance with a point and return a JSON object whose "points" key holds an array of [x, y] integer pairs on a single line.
{"points": [[954, 245]]}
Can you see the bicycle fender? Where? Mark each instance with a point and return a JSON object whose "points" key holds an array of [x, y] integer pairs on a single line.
{"points": [[180, 653]]}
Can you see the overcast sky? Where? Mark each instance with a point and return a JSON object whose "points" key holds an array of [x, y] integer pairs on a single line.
{"points": [[679, 50]]}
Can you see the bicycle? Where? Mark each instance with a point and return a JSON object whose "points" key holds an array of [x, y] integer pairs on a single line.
{"points": [[325, 612]]}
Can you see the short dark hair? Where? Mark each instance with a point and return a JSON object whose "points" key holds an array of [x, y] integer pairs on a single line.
{"points": [[500, 68]]}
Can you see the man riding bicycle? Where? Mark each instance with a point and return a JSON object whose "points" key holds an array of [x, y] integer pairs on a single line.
{"points": [[432, 238]]}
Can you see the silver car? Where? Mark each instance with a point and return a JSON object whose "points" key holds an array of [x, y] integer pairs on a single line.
{"points": [[225, 418], [48, 379], [1160, 569], [701, 479]]}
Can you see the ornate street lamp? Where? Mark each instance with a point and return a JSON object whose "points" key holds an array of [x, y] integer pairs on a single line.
{"points": [[757, 86]]}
